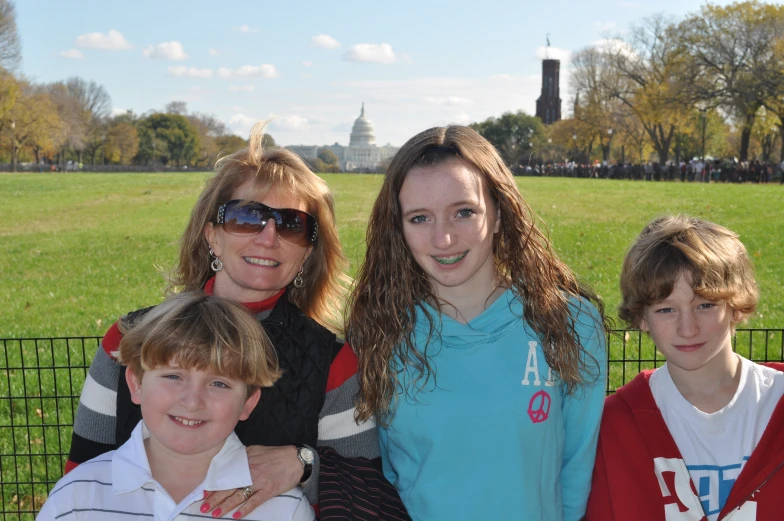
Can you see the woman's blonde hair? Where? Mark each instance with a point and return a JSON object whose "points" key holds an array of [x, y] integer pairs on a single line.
{"points": [[390, 284], [203, 332], [324, 275], [716, 262]]}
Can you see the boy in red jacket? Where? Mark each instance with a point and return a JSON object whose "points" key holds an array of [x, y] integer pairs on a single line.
{"points": [[702, 437]]}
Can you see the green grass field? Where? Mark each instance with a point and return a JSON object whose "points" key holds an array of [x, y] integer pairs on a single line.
{"points": [[80, 250]]}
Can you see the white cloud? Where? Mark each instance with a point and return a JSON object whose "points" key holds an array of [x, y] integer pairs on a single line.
{"points": [[264, 70], [552, 53], [371, 53], [74, 54], [165, 51], [245, 28], [502, 77], [214, 52], [307, 64], [242, 88], [450, 100], [604, 26], [241, 124], [615, 46], [325, 41], [111, 41], [117, 111], [190, 72], [291, 122], [462, 119]]}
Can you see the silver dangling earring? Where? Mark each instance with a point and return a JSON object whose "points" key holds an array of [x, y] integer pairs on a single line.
{"points": [[216, 264], [298, 280]]}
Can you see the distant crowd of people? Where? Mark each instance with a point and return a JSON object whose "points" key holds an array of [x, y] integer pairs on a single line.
{"points": [[717, 170]]}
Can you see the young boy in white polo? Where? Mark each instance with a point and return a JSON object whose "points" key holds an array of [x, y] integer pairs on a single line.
{"points": [[196, 364], [702, 437]]}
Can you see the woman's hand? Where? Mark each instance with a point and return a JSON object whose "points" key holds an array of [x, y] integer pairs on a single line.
{"points": [[274, 470]]}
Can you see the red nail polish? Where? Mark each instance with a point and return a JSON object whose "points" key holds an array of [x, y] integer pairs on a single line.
{"points": [[237, 514], [205, 507], [216, 512]]}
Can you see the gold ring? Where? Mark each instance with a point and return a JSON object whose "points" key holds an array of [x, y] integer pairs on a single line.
{"points": [[247, 492]]}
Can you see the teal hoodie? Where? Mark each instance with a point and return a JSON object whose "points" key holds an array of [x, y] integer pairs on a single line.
{"points": [[494, 436]]}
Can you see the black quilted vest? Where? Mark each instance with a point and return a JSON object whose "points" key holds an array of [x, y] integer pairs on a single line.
{"points": [[287, 413]]}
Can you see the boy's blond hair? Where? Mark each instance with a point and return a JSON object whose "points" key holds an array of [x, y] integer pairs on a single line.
{"points": [[712, 256], [203, 332]]}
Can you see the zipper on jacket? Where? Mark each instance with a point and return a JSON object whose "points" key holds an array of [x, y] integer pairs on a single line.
{"points": [[734, 510]]}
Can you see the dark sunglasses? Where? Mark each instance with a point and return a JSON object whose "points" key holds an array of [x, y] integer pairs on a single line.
{"points": [[250, 217]]}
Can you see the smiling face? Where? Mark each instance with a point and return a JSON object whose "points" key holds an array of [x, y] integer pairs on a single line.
{"points": [[449, 219], [694, 334], [255, 267], [187, 411]]}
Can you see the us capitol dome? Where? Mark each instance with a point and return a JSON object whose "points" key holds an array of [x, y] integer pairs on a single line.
{"points": [[362, 133], [361, 155]]}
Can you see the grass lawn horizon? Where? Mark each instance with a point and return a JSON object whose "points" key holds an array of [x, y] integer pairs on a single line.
{"points": [[80, 250]]}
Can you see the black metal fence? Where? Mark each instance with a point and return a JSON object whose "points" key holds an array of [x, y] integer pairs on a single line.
{"points": [[41, 378]]}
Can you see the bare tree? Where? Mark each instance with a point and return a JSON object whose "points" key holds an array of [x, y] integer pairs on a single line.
{"points": [[596, 106], [10, 47], [94, 106], [179, 108], [91, 97]]}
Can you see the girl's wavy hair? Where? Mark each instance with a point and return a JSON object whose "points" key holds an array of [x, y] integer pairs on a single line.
{"points": [[714, 258], [325, 279], [390, 285]]}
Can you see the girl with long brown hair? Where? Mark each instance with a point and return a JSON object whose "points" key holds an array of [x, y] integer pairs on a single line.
{"points": [[480, 354]]}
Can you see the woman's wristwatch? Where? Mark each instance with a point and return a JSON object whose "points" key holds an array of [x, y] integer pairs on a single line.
{"points": [[306, 456]]}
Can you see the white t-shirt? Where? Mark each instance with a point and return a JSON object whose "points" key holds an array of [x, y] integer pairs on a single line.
{"points": [[715, 447], [118, 486]]}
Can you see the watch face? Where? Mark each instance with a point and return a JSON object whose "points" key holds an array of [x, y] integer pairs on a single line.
{"points": [[307, 455]]}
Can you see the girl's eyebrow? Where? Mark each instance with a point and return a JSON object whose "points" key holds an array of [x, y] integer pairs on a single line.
{"points": [[414, 210], [456, 204]]}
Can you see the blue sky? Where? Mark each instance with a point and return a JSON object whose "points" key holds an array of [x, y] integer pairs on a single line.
{"points": [[311, 65]]}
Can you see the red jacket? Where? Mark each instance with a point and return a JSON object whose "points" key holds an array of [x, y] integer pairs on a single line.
{"points": [[640, 474]]}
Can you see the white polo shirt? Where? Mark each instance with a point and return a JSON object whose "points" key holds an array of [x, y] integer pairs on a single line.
{"points": [[118, 486]]}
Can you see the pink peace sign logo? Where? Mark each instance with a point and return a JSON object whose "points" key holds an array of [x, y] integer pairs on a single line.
{"points": [[539, 407]]}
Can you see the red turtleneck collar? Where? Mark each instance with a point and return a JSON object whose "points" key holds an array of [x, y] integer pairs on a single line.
{"points": [[255, 307]]}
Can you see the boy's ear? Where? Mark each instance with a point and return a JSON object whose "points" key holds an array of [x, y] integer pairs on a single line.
{"points": [[250, 404], [134, 385], [644, 326]]}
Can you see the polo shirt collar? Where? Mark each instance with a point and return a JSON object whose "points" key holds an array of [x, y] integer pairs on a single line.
{"points": [[131, 468]]}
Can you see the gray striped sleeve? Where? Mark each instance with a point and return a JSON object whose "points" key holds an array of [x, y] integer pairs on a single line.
{"points": [[338, 428], [96, 416]]}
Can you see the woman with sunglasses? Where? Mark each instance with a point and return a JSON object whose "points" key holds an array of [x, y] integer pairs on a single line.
{"points": [[481, 356], [263, 233]]}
